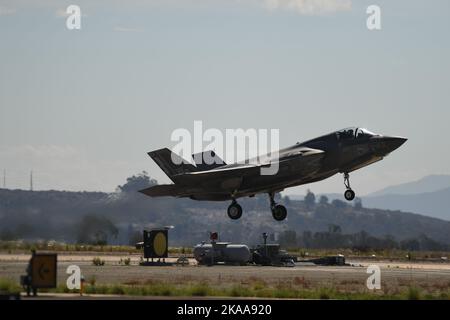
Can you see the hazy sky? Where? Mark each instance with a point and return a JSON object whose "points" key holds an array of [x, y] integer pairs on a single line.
{"points": [[82, 108]]}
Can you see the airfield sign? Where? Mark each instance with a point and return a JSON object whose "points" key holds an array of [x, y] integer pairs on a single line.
{"points": [[43, 270], [156, 243]]}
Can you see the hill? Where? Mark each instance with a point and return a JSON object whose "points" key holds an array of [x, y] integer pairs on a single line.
{"points": [[435, 204], [429, 196], [426, 184], [119, 218]]}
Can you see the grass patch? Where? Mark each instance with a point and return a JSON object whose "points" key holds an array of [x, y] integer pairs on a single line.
{"points": [[255, 289], [8, 286], [414, 293], [19, 246], [199, 290], [242, 291], [280, 291], [397, 254]]}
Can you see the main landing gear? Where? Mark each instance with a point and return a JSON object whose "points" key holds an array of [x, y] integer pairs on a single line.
{"points": [[279, 211], [349, 194], [234, 210]]}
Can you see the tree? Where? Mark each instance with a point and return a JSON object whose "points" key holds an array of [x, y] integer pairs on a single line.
{"points": [[137, 182], [410, 244], [358, 204], [323, 199], [135, 237], [310, 199], [287, 200], [96, 229], [338, 203], [307, 239], [7, 235], [288, 238], [333, 228]]}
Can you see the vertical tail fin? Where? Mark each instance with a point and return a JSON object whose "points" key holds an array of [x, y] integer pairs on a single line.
{"points": [[207, 160], [171, 163]]}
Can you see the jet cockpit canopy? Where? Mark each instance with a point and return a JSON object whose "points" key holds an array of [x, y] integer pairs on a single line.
{"points": [[354, 133]]}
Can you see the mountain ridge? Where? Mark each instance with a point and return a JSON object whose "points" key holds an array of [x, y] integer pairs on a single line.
{"points": [[433, 202], [429, 183], [60, 215]]}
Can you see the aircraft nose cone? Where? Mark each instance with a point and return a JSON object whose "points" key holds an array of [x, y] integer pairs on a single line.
{"points": [[394, 142], [386, 145]]}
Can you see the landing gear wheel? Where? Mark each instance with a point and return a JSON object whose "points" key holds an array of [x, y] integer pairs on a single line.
{"points": [[279, 212], [234, 211], [349, 195]]}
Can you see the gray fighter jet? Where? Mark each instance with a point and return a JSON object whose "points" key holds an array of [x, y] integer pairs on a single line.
{"points": [[342, 151]]}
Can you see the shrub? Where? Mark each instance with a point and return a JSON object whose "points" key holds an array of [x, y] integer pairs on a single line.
{"points": [[92, 281], [8, 286], [200, 290], [98, 262], [413, 293]]}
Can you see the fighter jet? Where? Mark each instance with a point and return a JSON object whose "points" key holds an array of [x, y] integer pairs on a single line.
{"points": [[342, 151]]}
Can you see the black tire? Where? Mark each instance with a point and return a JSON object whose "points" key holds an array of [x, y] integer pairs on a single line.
{"points": [[234, 211], [349, 194], [279, 212]]}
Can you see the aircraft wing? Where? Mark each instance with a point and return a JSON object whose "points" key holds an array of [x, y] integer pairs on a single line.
{"points": [[240, 170], [249, 169], [229, 177]]}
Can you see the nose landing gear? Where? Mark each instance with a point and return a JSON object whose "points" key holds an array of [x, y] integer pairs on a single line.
{"points": [[349, 194]]}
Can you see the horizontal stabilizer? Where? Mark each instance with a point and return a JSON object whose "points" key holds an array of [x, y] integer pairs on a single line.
{"points": [[162, 190]]}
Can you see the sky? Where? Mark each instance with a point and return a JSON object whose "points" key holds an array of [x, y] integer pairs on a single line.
{"points": [[81, 108]]}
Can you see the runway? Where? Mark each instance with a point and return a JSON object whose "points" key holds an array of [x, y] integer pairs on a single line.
{"points": [[353, 277]]}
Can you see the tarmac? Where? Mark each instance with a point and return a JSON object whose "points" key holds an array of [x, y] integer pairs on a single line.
{"points": [[353, 276]]}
